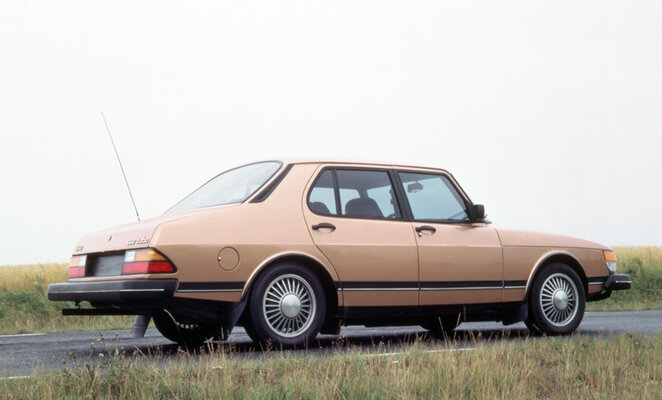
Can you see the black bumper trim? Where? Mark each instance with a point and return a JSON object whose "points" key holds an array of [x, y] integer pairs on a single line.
{"points": [[618, 282], [611, 283], [145, 289]]}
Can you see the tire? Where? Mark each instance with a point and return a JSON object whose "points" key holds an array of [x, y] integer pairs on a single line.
{"points": [[557, 301], [286, 307], [189, 335], [441, 327]]}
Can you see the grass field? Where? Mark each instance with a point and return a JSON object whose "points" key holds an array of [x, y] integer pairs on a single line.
{"points": [[24, 307], [644, 264], [623, 367]]}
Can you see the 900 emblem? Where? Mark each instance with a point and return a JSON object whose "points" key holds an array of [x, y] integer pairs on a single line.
{"points": [[132, 242]]}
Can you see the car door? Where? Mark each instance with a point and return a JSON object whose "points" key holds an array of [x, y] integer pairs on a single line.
{"points": [[354, 219], [460, 262]]}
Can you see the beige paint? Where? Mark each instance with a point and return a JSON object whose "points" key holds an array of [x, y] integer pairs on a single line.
{"points": [[357, 250], [459, 252]]}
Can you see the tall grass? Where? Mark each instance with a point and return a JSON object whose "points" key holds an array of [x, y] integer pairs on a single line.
{"points": [[644, 264], [624, 367], [25, 308]]}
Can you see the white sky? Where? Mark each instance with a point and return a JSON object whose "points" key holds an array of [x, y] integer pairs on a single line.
{"points": [[549, 114]]}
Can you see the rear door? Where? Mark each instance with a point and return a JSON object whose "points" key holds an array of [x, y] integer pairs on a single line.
{"points": [[460, 261], [354, 218]]}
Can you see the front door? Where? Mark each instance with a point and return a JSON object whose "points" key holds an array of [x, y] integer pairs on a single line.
{"points": [[355, 220], [460, 261]]}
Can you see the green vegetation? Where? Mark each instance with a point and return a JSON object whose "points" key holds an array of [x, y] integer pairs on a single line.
{"points": [[644, 264], [24, 307], [623, 367]]}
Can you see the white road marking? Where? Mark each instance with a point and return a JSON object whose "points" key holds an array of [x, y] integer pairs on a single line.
{"points": [[22, 334], [15, 377], [424, 351]]}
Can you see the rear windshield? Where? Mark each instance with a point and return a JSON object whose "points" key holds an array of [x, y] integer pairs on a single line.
{"points": [[233, 186]]}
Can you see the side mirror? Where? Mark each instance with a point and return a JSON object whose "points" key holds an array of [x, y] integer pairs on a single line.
{"points": [[477, 213]]}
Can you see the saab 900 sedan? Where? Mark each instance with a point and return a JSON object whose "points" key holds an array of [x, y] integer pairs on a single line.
{"points": [[292, 249]]}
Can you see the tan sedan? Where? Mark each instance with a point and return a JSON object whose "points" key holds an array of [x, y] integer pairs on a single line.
{"points": [[291, 249]]}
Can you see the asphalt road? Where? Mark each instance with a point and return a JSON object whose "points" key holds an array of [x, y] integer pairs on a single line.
{"points": [[22, 355]]}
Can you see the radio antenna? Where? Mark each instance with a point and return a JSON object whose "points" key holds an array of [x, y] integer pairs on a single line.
{"points": [[121, 167]]}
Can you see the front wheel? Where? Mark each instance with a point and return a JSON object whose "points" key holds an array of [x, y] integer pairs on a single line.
{"points": [[557, 301], [286, 307]]}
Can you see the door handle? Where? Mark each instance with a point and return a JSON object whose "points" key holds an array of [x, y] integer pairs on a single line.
{"points": [[324, 225], [420, 229]]}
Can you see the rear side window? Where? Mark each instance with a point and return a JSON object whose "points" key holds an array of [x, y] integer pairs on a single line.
{"points": [[322, 198], [359, 194]]}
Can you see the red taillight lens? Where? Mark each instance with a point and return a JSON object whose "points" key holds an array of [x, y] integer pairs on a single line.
{"points": [[77, 266], [76, 272], [145, 261], [159, 267]]}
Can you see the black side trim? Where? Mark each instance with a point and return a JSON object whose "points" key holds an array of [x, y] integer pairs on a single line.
{"points": [[380, 284], [210, 286], [597, 279], [515, 283], [459, 284], [262, 196], [427, 285]]}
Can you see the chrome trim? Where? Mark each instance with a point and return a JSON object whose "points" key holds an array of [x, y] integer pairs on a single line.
{"points": [[207, 290], [597, 283], [514, 287], [114, 291]]}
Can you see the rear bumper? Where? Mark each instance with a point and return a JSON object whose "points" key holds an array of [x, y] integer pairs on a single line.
{"points": [[113, 291]]}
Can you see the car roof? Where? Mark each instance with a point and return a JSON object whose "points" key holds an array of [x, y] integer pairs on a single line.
{"points": [[356, 162]]}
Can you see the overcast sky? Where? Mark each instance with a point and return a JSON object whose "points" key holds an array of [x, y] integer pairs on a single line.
{"points": [[549, 114]]}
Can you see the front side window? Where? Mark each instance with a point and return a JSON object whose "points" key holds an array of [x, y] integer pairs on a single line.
{"points": [[233, 186], [359, 193], [433, 197]]}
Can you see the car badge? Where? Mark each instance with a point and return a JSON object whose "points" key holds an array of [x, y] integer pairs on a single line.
{"points": [[137, 241]]}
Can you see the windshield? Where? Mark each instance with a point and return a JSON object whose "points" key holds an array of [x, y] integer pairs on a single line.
{"points": [[233, 186]]}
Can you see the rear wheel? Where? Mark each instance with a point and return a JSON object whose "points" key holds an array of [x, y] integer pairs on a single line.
{"points": [[557, 301], [286, 307], [184, 333]]}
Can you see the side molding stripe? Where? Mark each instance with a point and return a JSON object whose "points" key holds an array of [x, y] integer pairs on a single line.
{"points": [[597, 280], [197, 287], [428, 285]]}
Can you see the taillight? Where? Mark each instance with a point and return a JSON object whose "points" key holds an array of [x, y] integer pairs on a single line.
{"points": [[77, 266], [146, 261]]}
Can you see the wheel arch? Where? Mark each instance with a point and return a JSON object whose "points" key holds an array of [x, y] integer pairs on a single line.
{"points": [[325, 276], [552, 257]]}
